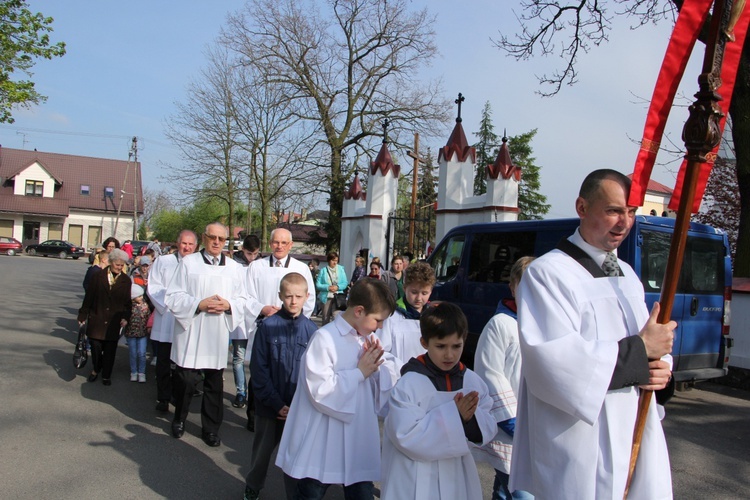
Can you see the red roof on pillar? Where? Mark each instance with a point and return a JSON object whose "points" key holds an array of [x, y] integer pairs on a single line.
{"points": [[355, 191], [458, 144], [503, 164], [384, 163]]}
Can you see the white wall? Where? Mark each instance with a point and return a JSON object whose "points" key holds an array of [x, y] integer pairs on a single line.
{"points": [[739, 330]]}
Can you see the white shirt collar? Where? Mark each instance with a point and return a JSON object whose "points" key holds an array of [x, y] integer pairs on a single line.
{"points": [[596, 253]]}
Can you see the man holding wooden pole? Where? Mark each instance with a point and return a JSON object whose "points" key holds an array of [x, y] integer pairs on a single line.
{"points": [[588, 344]]}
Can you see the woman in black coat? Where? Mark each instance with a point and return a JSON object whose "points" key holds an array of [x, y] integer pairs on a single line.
{"points": [[106, 308]]}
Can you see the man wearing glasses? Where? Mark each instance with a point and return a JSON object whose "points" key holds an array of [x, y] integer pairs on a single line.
{"points": [[207, 298]]}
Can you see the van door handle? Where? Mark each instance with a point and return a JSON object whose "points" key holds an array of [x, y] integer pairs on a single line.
{"points": [[694, 306]]}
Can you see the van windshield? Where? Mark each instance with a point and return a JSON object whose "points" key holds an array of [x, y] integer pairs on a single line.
{"points": [[702, 268], [446, 258]]}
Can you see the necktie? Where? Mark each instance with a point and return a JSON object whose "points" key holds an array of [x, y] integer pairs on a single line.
{"points": [[216, 261], [610, 266], [278, 263]]}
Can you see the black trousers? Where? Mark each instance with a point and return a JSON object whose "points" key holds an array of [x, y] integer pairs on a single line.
{"points": [[163, 351], [103, 356], [212, 407], [268, 432]]}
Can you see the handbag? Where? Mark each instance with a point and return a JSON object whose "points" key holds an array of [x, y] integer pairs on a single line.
{"points": [[80, 354], [340, 299]]}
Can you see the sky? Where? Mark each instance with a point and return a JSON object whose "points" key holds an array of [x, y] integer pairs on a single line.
{"points": [[128, 63]]}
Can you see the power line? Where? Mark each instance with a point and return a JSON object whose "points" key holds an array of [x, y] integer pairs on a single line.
{"points": [[82, 134]]}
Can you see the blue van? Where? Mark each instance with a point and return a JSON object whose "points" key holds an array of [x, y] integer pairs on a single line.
{"points": [[473, 262]]}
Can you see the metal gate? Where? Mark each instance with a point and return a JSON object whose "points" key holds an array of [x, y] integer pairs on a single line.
{"points": [[399, 228]]}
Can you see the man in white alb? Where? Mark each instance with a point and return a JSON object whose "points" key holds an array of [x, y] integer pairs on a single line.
{"points": [[588, 344], [207, 297], [161, 274]]}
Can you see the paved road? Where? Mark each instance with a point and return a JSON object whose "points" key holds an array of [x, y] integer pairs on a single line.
{"points": [[61, 437]]}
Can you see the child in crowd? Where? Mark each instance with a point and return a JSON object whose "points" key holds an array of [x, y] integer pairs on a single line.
{"points": [[497, 361], [277, 348], [436, 408], [137, 333], [332, 435], [400, 334]]}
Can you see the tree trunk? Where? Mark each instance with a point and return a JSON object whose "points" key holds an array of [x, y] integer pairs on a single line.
{"points": [[336, 203]]}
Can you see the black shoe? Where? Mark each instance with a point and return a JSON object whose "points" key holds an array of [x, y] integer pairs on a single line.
{"points": [[240, 401], [178, 429], [211, 439], [251, 421], [162, 405], [107, 381], [251, 494], [92, 377], [197, 393]]}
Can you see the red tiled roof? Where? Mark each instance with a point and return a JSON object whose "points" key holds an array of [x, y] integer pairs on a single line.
{"points": [[503, 164], [70, 172], [355, 190], [384, 163], [458, 144], [656, 187]]}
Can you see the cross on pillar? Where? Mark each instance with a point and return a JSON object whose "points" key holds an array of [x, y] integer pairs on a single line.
{"points": [[458, 101], [385, 130]]}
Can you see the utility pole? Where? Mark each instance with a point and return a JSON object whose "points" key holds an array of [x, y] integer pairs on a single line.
{"points": [[415, 177], [134, 149]]}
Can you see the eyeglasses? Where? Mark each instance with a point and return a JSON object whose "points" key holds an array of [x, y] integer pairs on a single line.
{"points": [[213, 237]]}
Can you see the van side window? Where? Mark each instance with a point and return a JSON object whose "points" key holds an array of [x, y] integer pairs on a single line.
{"points": [[493, 254], [702, 269], [447, 257]]}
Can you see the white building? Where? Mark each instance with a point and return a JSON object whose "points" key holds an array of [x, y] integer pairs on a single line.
{"points": [[46, 196]]}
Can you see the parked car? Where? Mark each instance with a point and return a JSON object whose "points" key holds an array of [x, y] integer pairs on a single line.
{"points": [[58, 248], [138, 246], [10, 246]]}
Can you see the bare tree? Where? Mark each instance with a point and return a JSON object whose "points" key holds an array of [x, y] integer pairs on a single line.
{"points": [[567, 28], [348, 63], [277, 143], [154, 202], [206, 132]]}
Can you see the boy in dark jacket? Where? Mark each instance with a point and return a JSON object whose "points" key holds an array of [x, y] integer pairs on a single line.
{"points": [[274, 369]]}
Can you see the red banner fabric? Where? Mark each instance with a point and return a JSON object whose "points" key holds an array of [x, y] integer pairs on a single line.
{"points": [[689, 22], [732, 56]]}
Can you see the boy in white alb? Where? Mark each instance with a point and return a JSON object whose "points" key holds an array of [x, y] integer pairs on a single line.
{"points": [[331, 434], [400, 334], [436, 408]]}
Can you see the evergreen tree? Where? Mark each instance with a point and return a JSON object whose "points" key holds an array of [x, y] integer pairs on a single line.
{"points": [[531, 203], [487, 148]]}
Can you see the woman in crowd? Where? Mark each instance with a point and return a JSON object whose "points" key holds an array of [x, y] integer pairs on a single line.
{"points": [[330, 283], [359, 270], [106, 308]]}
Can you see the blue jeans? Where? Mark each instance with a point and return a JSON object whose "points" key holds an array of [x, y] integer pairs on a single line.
{"points": [[312, 489], [137, 349], [500, 489], [238, 365]]}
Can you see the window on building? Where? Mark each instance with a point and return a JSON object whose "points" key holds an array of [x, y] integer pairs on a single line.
{"points": [[109, 192], [34, 188], [85, 190]]}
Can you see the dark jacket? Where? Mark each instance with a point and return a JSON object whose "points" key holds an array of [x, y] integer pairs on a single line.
{"points": [[91, 271], [452, 380], [103, 307], [275, 361]]}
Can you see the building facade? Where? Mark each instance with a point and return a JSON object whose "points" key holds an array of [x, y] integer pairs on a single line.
{"points": [[83, 200]]}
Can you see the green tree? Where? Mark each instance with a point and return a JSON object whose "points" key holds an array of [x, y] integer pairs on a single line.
{"points": [[486, 148], [167, 224], [23, 38], [531, 203]]}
